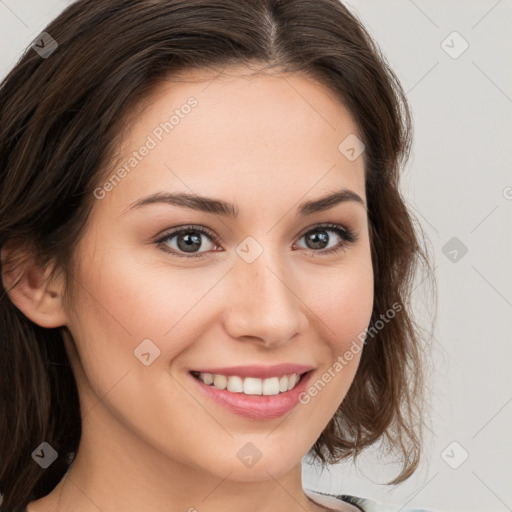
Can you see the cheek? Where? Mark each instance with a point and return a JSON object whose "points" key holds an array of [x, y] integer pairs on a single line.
{"points": [[342, 305], [121, 303], [127, 300], [342, 301]]}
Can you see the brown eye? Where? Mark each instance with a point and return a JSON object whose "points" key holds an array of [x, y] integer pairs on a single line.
{"points": [[319, 240], [188, 241]]}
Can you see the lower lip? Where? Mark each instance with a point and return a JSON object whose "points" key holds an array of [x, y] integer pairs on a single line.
{"points": [[257, 407]]}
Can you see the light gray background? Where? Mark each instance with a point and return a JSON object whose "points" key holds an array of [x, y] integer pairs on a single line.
{"points": [[459, 184]]}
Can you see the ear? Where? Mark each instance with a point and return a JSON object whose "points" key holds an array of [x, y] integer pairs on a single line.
{"points": [[33, 295]]}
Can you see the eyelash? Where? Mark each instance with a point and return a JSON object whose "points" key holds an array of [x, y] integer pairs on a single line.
{"points": [[347, 235]]}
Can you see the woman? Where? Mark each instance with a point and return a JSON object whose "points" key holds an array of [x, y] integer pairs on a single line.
{"points": [[205, 256]]}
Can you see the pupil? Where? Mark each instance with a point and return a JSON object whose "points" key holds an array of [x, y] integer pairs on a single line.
{"points": [[187, 240], [320, 239]]}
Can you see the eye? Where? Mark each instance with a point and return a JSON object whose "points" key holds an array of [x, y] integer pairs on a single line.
{"points": [[188, 241], [319, 241]]}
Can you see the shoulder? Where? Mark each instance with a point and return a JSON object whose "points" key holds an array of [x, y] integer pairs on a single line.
{"points": [[363, 504]]}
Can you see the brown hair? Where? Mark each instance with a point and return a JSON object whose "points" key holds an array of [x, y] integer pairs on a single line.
{"points": [[61, 118]]}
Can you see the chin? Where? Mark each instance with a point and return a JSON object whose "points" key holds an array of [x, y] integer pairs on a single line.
{"points": [[266, 468], [259, 473]]}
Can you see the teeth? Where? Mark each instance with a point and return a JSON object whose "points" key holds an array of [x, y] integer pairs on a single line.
{"points": [[235, 385], [207, 378], [251, 385], [271, 386], [220, 381], [292, 381]]}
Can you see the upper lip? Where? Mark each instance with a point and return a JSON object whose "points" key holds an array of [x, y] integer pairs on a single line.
{"points": [[258, 371]]}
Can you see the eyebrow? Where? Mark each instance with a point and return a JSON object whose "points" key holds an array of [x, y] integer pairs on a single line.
{"points": [[220, 207]]}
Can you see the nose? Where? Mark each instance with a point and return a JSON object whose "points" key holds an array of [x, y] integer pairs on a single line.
{"points": [[263, 302]]}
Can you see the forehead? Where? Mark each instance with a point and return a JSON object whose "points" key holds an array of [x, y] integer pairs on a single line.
{"points": [[239, 133]]}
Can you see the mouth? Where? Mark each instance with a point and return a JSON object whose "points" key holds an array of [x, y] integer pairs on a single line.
{"points": [[252, 397], [250, 385]]}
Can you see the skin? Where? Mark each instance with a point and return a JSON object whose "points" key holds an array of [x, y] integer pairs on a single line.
{"points": [[264, 142]]}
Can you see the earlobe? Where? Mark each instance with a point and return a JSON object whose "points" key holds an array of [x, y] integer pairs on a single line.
{"points": [[30, 292]]}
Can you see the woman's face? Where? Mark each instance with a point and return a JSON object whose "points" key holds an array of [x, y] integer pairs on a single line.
{"points": [[259, 288]]}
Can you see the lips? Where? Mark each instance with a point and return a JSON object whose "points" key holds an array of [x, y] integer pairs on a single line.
{"points": [[265, 405]]}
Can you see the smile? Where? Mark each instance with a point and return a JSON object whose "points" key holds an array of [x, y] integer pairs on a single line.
{"points": [[258, 398], [250, 385]]}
